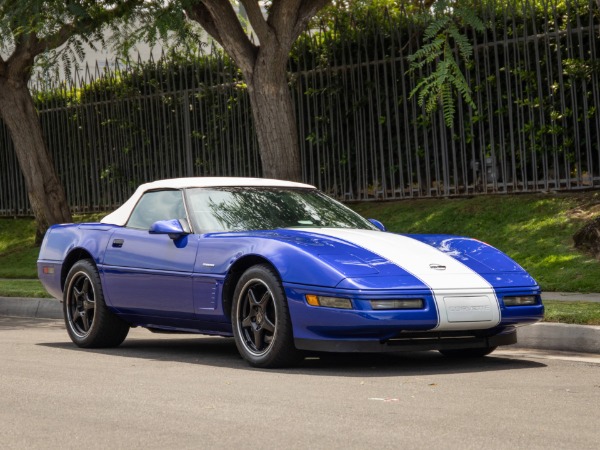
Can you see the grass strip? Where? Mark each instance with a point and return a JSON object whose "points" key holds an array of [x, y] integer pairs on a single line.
{"points": [[577, 313], [22, 288]]}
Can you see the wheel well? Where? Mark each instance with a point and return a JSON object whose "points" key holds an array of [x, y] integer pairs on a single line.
{"points": [[235, 273], [75, 255]]}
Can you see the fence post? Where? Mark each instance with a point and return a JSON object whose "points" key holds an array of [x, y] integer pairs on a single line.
{"points": [[187, 131]]}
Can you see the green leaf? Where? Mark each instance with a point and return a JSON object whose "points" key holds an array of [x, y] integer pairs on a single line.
{"points": [[445, 49]]}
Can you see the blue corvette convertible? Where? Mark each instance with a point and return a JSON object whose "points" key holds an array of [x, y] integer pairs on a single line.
{"points": [[283, 269]]}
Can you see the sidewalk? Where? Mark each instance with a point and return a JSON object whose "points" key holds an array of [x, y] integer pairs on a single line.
{"points": [[571, 297]]}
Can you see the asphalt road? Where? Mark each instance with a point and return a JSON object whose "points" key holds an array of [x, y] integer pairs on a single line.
{"points": [[159, 391]]}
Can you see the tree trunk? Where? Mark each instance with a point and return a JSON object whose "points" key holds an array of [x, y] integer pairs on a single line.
{"points": [[46, 194], [274, 119], [264, 68]]}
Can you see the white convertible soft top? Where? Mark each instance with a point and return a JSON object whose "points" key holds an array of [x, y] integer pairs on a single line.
{"points": [[121, 214]]}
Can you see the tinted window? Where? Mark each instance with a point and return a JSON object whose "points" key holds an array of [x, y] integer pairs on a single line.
{"points": [[157, 205], [237, 209]]}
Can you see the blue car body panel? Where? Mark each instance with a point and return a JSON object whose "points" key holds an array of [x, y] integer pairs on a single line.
{"points": [[178, 284], [149, 274]]}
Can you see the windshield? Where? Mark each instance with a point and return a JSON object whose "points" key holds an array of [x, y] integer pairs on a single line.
{"points": [[257, 208]]}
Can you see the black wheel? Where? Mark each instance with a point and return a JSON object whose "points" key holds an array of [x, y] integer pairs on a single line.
{"points": [[87, 318], [468, 352], [261, 321]]}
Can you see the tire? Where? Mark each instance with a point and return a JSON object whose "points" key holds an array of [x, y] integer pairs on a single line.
{"points": [[261, 322], [468, 352], [89, 322]]}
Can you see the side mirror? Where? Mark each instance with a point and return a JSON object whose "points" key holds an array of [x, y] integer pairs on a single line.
{"points": [[378, 224], [172, 227]]}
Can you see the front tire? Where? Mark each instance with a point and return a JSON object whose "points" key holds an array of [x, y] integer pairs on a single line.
{"points": [[468, 352], [261, 322], [89, 322]]}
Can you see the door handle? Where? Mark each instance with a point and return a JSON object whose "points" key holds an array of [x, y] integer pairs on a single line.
{"points": [[118, 243]]}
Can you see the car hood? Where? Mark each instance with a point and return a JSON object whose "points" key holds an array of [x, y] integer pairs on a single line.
{"points": [[371, 259]]}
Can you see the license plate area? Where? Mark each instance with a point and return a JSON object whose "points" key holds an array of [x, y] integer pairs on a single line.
{"points": [[469, 309]]}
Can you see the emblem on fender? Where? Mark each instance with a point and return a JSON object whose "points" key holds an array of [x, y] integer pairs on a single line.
{"points": [[437, 266]]}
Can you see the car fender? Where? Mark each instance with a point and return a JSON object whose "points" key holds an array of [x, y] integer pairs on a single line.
{"points": [[64, 245], [294, 264]]}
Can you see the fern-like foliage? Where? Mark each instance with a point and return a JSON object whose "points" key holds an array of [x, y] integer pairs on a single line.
{"points": [[445, 46]]}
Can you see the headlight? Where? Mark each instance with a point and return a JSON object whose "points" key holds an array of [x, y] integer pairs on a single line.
{"points": [[407, 303], [520, 300], [329, 302]]}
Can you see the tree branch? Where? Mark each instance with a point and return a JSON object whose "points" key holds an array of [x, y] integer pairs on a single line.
{"points": [[199, 13], [19, 63], [54, 40], [221, 19], [290, 18], [28, 44], [306, 11], [282, 18], [84, 26], [258, 22]]}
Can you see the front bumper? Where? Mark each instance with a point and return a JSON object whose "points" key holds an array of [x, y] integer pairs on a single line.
{"points": [[420, 341], [362, 329]]}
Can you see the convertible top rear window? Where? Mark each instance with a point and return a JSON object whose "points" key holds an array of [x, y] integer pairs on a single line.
{"points": [[249, 208]]}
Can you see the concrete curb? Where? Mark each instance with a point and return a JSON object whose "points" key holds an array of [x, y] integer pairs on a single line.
{"points": [[560, 336], [39, 308], [546, 336]]}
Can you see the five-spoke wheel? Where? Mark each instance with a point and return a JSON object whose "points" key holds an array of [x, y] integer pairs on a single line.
{"points": [[261, 322], [81, 304], [89, 321], [258, 314]]}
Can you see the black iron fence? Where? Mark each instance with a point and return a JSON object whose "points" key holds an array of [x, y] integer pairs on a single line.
{"points": [[535, 77]]}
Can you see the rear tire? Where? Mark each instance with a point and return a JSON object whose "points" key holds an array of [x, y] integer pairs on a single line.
{"points": [[89, 322], [261, 322], [468, 352]]}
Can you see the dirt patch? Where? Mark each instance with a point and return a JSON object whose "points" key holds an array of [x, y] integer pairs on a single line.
{"points": [[587, 239], [588, 206]]}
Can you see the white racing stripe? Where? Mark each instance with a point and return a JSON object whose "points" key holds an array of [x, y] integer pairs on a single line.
{"points": [[464, 299]]}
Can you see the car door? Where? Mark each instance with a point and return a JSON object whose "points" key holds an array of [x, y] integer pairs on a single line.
{"points": [[151, 274]]}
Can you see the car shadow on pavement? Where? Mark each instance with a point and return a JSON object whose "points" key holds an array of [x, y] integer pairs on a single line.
{"points": [[222, 352]]}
